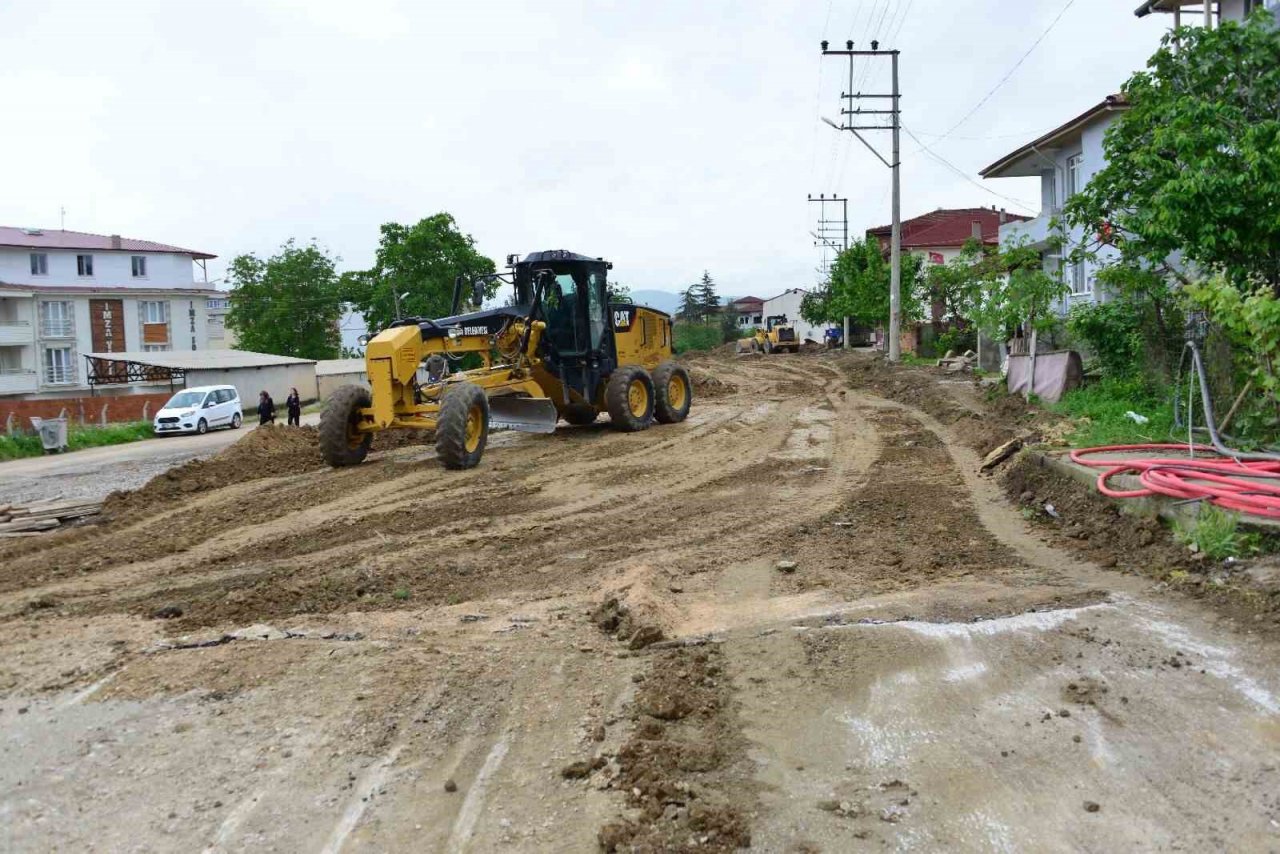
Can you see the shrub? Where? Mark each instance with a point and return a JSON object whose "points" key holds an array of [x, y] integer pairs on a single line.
{"points": [[695, 336], [1215, 534]]}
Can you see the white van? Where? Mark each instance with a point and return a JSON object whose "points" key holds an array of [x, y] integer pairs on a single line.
{"points": [[198, 410]]}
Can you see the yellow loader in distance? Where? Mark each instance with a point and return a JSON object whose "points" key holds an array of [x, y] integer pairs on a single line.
{"points": [[562, 350], [778, 336]]}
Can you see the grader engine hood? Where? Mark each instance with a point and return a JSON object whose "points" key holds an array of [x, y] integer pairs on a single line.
{"points": [[487, 322]]}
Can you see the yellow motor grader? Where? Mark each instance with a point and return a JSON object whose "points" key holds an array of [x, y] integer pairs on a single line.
{"points": [[561, 350], [778, 336]]}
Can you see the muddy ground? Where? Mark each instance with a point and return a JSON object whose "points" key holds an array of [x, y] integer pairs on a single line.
{"points": [[799, 621]]}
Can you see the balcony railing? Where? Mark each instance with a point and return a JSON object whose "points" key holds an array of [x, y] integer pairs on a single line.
{"points": [[17, 380], [15, 332]]}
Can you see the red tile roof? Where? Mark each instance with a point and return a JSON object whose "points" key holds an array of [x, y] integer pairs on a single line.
{"points": [[36, 238], [947, 227]]}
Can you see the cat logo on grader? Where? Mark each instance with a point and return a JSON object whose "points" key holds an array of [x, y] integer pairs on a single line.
{"points": [[558, 352]]}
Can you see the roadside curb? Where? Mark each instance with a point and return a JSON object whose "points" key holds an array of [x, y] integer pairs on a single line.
{"points": [[1170, 509]]}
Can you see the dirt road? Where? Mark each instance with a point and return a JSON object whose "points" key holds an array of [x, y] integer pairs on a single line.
{"points": [[799, 621]]}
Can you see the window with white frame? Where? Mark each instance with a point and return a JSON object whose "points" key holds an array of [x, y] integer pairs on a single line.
{"points": [[1074, 166], [139, 266], [155, 311], [55, 319], [84, 265], [156, 348], [1080, 284], [58, 365], [39, 264]]}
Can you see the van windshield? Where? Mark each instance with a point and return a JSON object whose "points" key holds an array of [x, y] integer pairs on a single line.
{"points": [[184, 399]]}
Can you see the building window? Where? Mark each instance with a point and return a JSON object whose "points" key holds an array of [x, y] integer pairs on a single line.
{"points": [[156, 348], [39, 264], [1073, 175], [84, 265], [155, 311], [1080, 284], [55, 319], [58, 367], [139, 266]]}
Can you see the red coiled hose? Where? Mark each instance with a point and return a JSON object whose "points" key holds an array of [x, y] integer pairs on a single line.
{"points": [[1247, 486]]}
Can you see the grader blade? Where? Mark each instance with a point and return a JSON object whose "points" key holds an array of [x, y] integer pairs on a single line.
{"points": [[526, 414]]}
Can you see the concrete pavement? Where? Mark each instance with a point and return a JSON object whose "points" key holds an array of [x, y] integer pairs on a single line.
{"points": [[94, 472]]}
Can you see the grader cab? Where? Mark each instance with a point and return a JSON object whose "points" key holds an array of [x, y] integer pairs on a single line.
{"points": [[560, 350]]}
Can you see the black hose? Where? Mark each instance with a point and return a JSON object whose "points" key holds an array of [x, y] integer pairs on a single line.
{"points": [[1211, 427]]}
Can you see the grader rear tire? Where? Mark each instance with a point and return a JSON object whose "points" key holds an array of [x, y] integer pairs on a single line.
{"points": [[462, 428], [673, 393], [629, 398], [581, 414], [340, 443]]}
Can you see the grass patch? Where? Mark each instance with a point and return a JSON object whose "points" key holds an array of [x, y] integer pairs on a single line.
{"points": [[693, 336], [78, 438], [1215, 534], [1098, 412], [917, 360]]}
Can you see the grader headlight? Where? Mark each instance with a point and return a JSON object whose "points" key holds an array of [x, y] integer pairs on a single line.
{"points": [[455, 332]]}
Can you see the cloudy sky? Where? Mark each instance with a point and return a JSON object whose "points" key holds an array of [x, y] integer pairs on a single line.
{"points": [[666, 135]]}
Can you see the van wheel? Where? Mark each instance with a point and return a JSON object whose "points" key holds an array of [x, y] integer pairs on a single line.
{"points": [[673, 393], [462, 427], [202, 427], [236, 421], [629, 398]]}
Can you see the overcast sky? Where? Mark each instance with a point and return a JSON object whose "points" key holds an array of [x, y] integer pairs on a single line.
{"points": [[667, 136]]}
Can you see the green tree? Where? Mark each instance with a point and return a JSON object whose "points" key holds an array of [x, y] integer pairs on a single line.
{"points": [[708, 299], [618, 292], [860, 287], [1193, 166], [421, 262], [690, 309], [960, 283], [288, 304], [1014, 290]]}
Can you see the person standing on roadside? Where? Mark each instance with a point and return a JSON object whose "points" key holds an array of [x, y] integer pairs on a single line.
{"points": [[294, 404], [266, 409]]}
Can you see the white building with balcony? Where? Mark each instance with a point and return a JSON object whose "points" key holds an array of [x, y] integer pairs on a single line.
{"points": [[1206, 13], [1064, 159], [65, 294]]}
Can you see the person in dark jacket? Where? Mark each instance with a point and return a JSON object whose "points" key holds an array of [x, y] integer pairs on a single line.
{"points": [[294, 404], [266, 409]]}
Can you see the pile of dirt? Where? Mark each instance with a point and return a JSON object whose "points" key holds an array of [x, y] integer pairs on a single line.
{"points": [[268, 451], [265, 452], [707, 386], [684, 764]]}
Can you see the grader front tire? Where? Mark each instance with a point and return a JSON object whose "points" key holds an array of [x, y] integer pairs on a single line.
{"points": [[673, 393], [629, 398], [462, 428], [341, 444]]}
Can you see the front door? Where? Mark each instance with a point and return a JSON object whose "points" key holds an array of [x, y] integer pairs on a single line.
{"points": [[575, 308]]}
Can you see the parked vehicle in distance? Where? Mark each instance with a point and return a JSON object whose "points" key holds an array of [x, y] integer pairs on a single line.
{"points": [[199, 410]]}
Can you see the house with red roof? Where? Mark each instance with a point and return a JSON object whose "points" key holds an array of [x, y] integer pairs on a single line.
{"points": [[940, 235], [65, 294]]}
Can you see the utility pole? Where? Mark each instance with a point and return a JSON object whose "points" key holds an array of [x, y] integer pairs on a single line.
{"points": [[825, 234], [850, 116]]}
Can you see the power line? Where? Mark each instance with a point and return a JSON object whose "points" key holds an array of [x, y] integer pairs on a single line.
{"points": [[1010, 72], [958, 171]]}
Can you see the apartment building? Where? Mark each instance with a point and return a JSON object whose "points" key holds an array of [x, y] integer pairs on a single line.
{"points": [[65, 294]]}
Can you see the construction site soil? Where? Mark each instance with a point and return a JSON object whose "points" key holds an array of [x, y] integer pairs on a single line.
{"points": [[802, 620]]}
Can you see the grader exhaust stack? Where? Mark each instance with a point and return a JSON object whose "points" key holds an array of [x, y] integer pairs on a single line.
{"points": [[561, 350]]}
